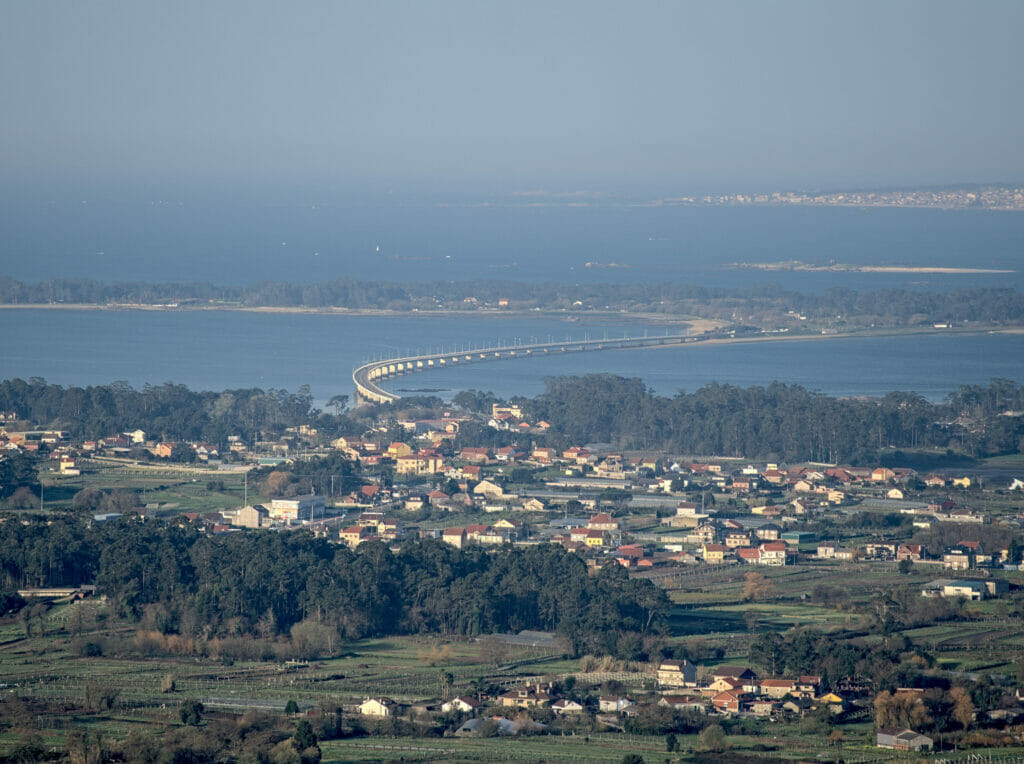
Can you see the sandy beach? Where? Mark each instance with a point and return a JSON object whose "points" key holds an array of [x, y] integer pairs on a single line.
{"points": [[696, 325]]}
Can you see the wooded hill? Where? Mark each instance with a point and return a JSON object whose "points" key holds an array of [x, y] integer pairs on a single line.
{"points": [[779, 422], [264, 584]]}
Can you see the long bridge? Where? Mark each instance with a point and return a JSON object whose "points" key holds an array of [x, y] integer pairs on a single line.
{"points": [[369, 376]]}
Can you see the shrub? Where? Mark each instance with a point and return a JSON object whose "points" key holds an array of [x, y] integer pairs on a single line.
{"points": [[191, 712], [712, 738], [87, 648]]}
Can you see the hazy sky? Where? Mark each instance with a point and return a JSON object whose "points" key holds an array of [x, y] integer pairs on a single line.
{"points": [[513, 95]]}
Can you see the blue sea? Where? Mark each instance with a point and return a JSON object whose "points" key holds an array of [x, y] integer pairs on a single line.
{"points": [[216, 350], [244, 240]]}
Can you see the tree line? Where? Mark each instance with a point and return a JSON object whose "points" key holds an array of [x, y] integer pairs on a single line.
{"points": [[779, 422], [265, 584], [168, 411], [888, 307]]}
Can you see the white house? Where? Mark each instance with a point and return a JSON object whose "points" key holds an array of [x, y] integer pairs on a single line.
{"points": [[611, 704], [566, 706], [902, 739], [677, 674], [377, 707], [298, 508], [463, 704], [487, 488]]}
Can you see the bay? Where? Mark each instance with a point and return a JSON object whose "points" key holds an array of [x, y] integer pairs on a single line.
{"points": [[242, 241], [215, 350]]}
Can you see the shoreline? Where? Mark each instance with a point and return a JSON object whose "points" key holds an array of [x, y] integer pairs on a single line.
{"points": [[798, 266], [694, 324], [866, 333], [564, 315]]}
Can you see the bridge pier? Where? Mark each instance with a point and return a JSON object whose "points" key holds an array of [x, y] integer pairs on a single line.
{"points": [[367, 376]]}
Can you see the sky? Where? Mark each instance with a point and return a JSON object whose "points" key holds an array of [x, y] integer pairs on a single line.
{"points": [[514, 96]]}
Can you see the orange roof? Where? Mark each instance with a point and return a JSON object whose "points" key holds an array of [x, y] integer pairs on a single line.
{"points": [[726, 695]]}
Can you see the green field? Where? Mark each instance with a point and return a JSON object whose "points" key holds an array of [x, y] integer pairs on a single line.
{"points": [[606, 747], [535, 748], [171, 488], [59, 689], [406, 669]]}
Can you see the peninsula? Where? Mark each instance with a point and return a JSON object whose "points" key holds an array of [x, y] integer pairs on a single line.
{"points": [[768, 308], [798, 265]]}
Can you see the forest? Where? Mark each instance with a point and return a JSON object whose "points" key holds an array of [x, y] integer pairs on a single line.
{"points": [[760, 304], [168, 411], [264, 584], [779, 422]]}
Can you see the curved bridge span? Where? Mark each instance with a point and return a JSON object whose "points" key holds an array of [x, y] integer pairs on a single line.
{"points": [[369, 376]]}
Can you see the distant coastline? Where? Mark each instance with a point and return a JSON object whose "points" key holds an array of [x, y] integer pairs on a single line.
{"points": [[993, 196], [723, 311], [798, 265], [855, 334], [696, 323], [342, 311], [696, 326]]}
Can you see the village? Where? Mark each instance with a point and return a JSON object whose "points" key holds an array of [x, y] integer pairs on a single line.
{"points": [[669, 519], [726, 691], [645, 511]]}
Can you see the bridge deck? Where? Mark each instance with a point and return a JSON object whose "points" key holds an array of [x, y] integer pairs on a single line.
{"points": [[368, 376]]}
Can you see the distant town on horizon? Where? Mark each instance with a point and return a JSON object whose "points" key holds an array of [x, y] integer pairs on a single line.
{"points": [[991, 196]]}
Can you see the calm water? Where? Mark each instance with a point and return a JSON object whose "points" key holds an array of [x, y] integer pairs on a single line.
{"points": [[238, 241], [222, 349]]}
